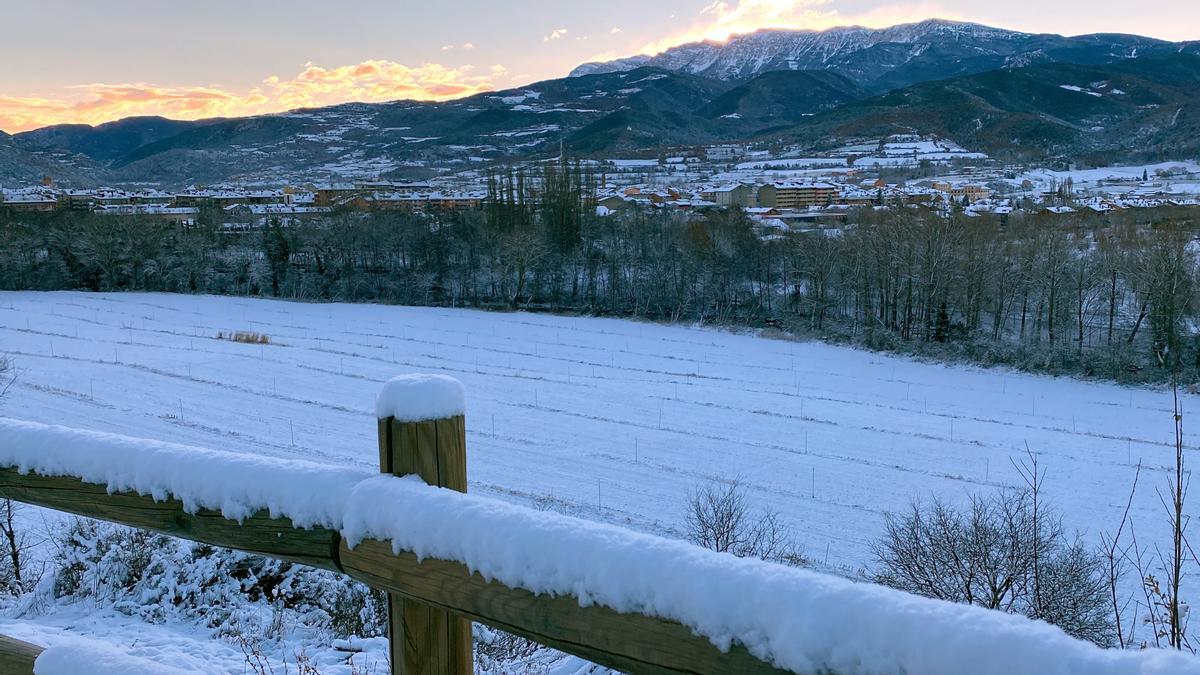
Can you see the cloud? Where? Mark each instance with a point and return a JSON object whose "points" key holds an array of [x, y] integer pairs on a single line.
{"points": [[722, 19], [616, 30], [603, 56], [370, 81], [468, 45], [556, 34]]}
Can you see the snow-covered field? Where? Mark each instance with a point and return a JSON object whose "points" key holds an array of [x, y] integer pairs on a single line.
{"points": [[799, 162], [605, 419], [1182, 178]]}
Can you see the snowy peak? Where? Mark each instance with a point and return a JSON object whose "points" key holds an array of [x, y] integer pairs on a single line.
{"points": [[751, 53], [886, 58], [914, 32]]}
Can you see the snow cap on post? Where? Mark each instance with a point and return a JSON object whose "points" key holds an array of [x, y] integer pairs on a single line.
{"points": [[420, 397]]}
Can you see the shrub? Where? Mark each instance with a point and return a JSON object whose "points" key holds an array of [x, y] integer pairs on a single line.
{"points": [[719, 517], [156, 577], [1001, 553]]}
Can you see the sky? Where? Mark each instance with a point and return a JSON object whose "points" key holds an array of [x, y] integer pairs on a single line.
{"points": [[91, 62]]}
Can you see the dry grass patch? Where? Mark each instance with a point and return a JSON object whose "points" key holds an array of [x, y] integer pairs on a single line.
{"points": [[245, 337]]}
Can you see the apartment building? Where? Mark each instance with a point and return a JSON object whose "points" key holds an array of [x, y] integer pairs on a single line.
{"points": [[789, 195]]}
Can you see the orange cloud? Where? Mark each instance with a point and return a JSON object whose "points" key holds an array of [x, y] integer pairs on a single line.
{"points": [[721, 19], [371, 81]]}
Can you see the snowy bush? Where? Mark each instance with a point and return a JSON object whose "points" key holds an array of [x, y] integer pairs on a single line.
{"points": [[157, 578], [494, 650], [107, 563]]}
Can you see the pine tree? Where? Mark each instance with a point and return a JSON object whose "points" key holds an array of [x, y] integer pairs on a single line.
{"points": [[278, 250], [941, 332]]}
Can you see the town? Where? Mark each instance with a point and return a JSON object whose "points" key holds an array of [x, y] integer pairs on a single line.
{"points": [[780, 190]]}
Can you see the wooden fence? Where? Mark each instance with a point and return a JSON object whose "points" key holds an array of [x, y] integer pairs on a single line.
{"points": [[431, 603]]}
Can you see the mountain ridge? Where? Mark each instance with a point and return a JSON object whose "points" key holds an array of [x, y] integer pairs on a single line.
{"points": [[882, 59], [652, 107]]}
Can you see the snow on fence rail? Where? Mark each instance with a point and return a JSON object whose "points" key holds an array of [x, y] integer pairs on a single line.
{"points": [[624, 599]]}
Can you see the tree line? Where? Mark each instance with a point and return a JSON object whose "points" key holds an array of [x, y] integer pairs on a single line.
{"points": [[1109, 295]]}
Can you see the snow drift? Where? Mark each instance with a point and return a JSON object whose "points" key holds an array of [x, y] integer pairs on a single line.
{"points": [[75, 656]]}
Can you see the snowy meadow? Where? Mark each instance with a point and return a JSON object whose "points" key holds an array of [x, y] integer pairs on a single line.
{"points": [[608, 420]]}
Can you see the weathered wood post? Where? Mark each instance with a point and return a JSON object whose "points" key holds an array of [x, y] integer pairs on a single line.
{"points": [[422, 431]]}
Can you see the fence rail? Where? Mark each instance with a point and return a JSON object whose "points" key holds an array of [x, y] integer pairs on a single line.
{"points": [[261, 534], [431, 602]]}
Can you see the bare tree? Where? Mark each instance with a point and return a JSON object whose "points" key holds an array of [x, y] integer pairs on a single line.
{"points": [[719, 517], [15, 541], [16, 544], [998, 554], [1178, 494], [1168, 613], [7, 378], [1116, 560], [1166, 268]]}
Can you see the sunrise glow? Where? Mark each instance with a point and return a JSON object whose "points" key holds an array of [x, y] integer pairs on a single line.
{"points": [[434, 56]]}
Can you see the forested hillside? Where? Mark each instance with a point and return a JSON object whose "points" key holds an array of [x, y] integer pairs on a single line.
{"points": [[1143, 108]]}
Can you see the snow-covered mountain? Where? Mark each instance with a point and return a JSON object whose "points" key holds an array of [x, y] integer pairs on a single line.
{"points": [[779, 49], [886, 58], [767, 83]]}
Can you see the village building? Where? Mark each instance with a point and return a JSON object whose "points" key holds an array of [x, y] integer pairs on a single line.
{"points": [[29, 201], [724, 153], [731, 194], [173, 214], [787, 195], [960, 191]]}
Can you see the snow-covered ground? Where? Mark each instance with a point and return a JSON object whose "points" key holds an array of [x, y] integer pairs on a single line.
{"points": [[605, 419], [799, 162]]}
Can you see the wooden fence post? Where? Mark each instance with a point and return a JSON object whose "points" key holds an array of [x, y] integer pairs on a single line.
{"points": [[425, 640], [17, 657]]}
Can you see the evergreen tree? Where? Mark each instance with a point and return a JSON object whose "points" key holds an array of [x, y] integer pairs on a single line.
{"points": [[941, 332], [278, 251]]}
